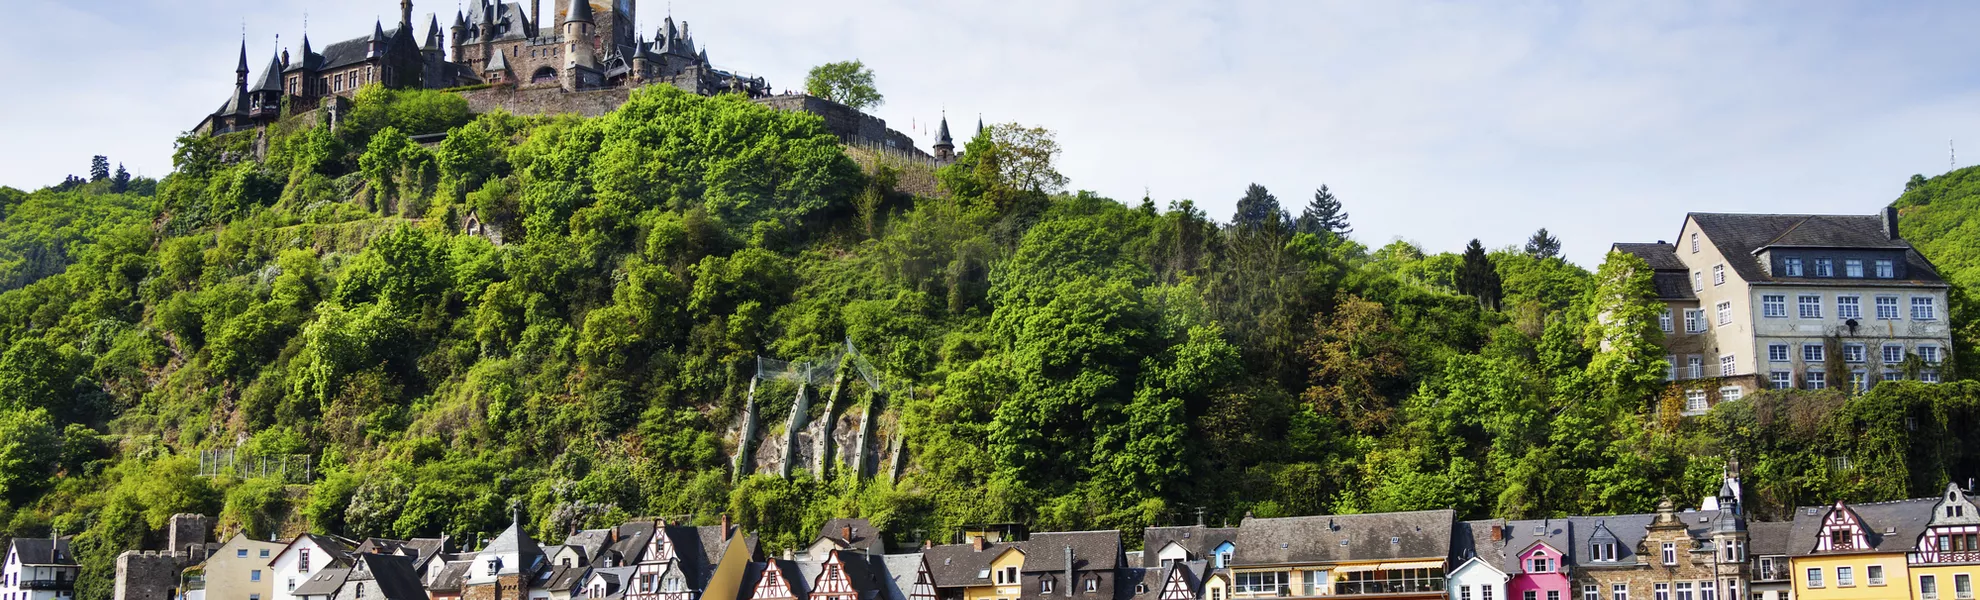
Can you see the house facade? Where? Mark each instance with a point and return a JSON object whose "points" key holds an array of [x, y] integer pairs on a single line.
{"points": [[302, 557], [1946, 559], [1393, 555], [1693, 555], [1802, 301], [1163, 546], [1771, 571], [1078, 565], [39, 569], [1857, 552], [237, 571]]}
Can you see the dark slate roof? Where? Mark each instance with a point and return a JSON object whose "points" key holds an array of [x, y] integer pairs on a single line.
{"points": [[515, 540], [862, 574], [580, 12], [864, 537], [960, 565], [633, 538], [589, 542], [942, 137], [393, 575], [352, 51], [1661, 256], [564, 579], [1092, 551], [338, 549], [453, 575], [1319, 539], [323, 583], [1768, 538], [1889, 526], [1199, 540], [1628, 531], [44, 551], [379, 546], [1741, 237], [271, 77], [615, 578], [422, 550], [1522, 535], [499, 63], [1474, 539]]}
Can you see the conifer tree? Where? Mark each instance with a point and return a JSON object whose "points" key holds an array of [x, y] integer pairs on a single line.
{"points": [[1324, 214], [1478, 278], [1258, 208], [121, 182], [1543, 245], [99, 168]]}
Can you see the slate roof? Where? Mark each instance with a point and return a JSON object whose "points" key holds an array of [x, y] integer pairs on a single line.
{"points": [[323, 583], [350, 52], [423, 550], [498, 64], [900, 569], [271, 77], [589, 542], [865, 538], [515, 540], [1092, 551], [454, 575], [564, 579], [961, 565], [393, 575], [1198, 540], [1769, 538], [44, 551], [1474, 539], [1671, 278], [633, 538], [505, 13], [1343, 538], [1521, 535], [615, 578], [1628, 531], [861, 573], [1740, 237], [379, 546], [1888, 526], [337, 549]]}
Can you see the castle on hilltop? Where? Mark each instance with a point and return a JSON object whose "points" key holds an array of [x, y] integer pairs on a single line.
{"points": [[585, 45]]}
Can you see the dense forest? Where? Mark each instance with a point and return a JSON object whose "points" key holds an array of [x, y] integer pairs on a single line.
{"points": [[1067, 360]]}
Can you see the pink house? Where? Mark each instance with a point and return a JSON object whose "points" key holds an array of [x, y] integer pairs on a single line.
{"points": [[1542, 572]]}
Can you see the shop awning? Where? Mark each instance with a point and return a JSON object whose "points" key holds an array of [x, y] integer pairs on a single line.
{"points": [[1418, 564], [1358, 568]]}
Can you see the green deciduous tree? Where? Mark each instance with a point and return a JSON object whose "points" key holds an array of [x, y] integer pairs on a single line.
{"points": [[849, 83]]}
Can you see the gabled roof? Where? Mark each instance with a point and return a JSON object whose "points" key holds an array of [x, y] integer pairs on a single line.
{"points": [[515, 541], [392, 574], [588, 542], [633, 538], [900, 570], [1199, 540], [1661, 256], [452, 576], [379, 546], [789, 573], [1741, 237], [1628, 531], [353, 51], [615, 578], [44, 551], [1521, 538], [865, 538], [271, 77], [338, 549], [1473, 539], [1345, 538], [564, 579], [422, 550], [961, 565], [1887, 526], [323, 583], [498, 64], [1091, 550]]}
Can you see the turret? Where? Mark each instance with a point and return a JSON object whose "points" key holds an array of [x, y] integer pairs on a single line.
{"points": [[433, 35], [377, 43], [460, 37], [241, 72], [579, 56], [945, 146]]}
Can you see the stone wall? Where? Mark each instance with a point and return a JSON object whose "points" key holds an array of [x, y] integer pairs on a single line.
{"points": [[550, 100], [186, 529], [849, 124], [150, 575]]}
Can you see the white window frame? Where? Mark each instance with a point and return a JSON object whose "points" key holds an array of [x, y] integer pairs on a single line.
{"points": [[1718, 275], [1696, 402], [1814, 354], [1888, 309], [1725, 313], [1791, 266], [1931, 582], [1670, 553], [1694, 242], [1697, 281], [1855, 353], [1825, 267], [1815, 380], [1924, 308], [1808, 306], [1697, 365], [1694, 320], [1814, 578], [1728, 365], [1891, 359], [1859, 380], [1930, 353], [1773, 306], [1853, 267], [1849, 307], [1779, 353], [1845, 576], [1962, 586], [1730, 393], [1874, 575], [1670, 367], [1666, 322], [1783, 380], [1619, 591], [1886, 269], [1591, 592]]}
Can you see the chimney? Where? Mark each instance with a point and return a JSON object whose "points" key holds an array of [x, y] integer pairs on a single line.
{"points": [[848, 534], [535, 17], [980, 542], [1498, 533], [929, 544], [1070, 580], [1891, 222], [725, 525]]}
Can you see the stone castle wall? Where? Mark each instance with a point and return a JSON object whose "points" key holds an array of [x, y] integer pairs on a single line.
{"points": [[150, 575], [850, 125]]}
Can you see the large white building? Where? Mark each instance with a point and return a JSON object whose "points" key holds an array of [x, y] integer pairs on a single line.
{"points": [[1796, 301], [38, 569]]}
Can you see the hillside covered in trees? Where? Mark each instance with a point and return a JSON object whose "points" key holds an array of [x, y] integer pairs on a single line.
{"points": [[1075, 362]]}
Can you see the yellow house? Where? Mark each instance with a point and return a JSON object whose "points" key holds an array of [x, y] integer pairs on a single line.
{"points": [[1858, 552], [979, 570], [1395, 556], [1946, 558]]}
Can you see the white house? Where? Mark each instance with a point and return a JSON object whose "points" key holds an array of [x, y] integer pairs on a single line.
{"points": [[303, 557], [1478, 576], [39, 569]]}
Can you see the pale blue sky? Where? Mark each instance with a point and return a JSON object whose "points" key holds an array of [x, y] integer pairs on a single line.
{"points": [[1435, 122]]}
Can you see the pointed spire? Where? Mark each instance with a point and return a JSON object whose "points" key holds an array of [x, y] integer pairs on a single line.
{"points": [[433, 36], [943, 136], [580, 12], [460, 20], [378, 31], [243, 69]]}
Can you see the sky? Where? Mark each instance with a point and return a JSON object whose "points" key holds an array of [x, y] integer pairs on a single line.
{"points": [[1434, 122]]}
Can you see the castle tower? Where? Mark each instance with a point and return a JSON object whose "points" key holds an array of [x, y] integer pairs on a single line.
{"points": [[405, 16], [945, 146], [376, 47], [580, 58], [241, 72], [460, 37]]}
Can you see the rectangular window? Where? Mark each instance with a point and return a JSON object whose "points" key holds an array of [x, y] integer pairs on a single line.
{"points": [[1845, 577], [1963, 586], [302, 561], [1619, 591], [1662, 591], [1791, 267], [1694, 243], [1874, 573], [1670, 367], [1684, 590], [1886, 269], [1854, 353], [1928, 587], [1893, 354], [1825, 267], [1485, 592], [1853, 268], [1718, 274], [1814, 577], [1859, 380], [1817, 380], [1670, 553], [1530, 595], [1778, 353], [1887, 308], [1697, 365], [1849, 307], [1464, 593], [240, 553], [1811, 306], [1928, 376], [1729, 394], [254, 575], [1664, 321], [1697, 281], [1590, 592], [1782, 380], [1924, 309], [1773, 306], [1694, 401], [1725, 313], [1707, 591], [1694, 320], [1893, 376], [1727, 364], [1539, 565], [1814, 353], [1929, 354], [1553, 595]]}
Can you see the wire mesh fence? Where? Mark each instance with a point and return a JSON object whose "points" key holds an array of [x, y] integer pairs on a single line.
{"points": [[288, 468]]}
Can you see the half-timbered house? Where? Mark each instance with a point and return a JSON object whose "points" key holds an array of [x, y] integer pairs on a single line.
{"points": [[1947, 556], [1857, 552]]}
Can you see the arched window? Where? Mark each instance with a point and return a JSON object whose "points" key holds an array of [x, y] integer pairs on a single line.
{"points": [[544, 75]]}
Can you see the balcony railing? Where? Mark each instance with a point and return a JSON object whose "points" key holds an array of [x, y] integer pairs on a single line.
{"points": [[1391, 586], [1774, 573], [48, 584]]}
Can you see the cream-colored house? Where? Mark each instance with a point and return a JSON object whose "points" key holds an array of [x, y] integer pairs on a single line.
{"points": [[1796, 301], [237, 571]]}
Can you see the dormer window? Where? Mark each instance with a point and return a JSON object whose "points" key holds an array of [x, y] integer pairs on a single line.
{"points": [[1603, 551], [1791, 267], [1045, 586], [1825, 267], [1540, 565]]}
